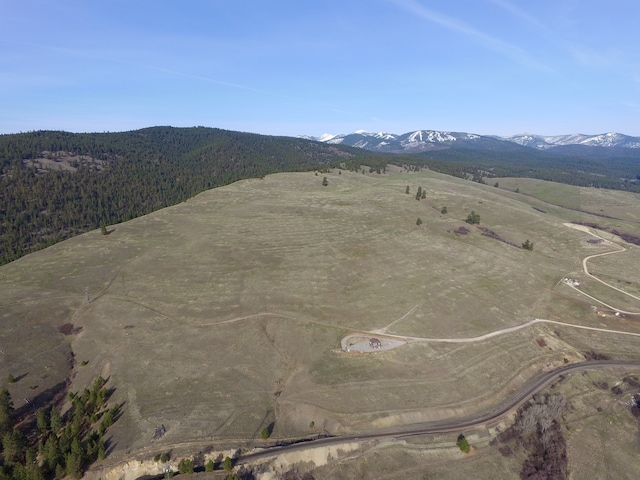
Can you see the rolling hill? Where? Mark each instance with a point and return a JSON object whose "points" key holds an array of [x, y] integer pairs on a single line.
{"points": [[54, 185], [223, 315]]}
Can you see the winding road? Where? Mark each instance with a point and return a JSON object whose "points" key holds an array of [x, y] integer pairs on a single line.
{"points": [[458, 424], [395, 341], [453, 425], [621, 249]]}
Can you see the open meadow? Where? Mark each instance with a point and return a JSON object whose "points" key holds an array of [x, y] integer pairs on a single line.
{"points": [[224, 315]]}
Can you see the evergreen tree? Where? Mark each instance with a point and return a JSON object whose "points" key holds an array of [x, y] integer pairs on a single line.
{"points": [[55, 420], [33, 472], [73, 463], [6, 408], [102, 450], [463, 444], [51, 453], [527, 245], [473, 218], [14, 445], [185, 466], [42, 420], [60, 471]]}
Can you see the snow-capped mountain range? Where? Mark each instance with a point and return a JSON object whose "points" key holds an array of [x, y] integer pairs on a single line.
{"points": [[602, 140], [426, 140]]}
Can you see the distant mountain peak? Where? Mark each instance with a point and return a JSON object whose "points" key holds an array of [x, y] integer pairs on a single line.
{"points": [[610, 139], [325, 137], [427, 140]]}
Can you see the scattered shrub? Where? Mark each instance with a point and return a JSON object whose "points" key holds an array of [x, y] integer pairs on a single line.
{"points": [[463, 444]]}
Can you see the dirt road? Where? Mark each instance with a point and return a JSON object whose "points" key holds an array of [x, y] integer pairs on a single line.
{"points": [[452, 425]]}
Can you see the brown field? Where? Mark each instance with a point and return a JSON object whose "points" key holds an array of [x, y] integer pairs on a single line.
{"points": [[224, 314]]}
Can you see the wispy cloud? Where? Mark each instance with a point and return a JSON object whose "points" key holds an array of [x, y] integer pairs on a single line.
{"points": [[598, 58], [506, 49], [119, 58], [601, 57], [519, 13]]}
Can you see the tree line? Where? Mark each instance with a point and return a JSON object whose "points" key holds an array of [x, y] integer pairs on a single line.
{"points": [[614, 171], [121, 176], [59, 445]]}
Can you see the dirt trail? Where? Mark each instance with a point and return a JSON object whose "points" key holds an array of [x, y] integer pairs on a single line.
{"points": [[385, 329], [620, 249], [352, 341], [359, 342]]}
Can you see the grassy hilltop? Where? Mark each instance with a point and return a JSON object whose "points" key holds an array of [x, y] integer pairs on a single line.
{"points": [[223, 315]]}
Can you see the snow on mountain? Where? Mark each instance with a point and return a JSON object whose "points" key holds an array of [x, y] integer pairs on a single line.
{"points": [[542, 142], [425, 140], [326, 137], [418, 141]]}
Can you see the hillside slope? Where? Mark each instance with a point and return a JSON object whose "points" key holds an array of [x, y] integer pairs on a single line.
{"points": [[54, 185], [223, 315]]}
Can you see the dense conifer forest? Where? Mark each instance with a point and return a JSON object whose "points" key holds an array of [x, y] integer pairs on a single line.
{"points": [[54, 185], [616, 169]]}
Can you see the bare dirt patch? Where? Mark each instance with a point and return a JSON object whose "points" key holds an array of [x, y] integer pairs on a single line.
{"points": [[63, 161], [358, 343], [69, 329]]}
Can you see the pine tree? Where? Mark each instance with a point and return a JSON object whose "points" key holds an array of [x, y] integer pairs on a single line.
{"points": [[74, 465], [51, 453], [473, 218], [14, 444], [6, 408], [55, 420], [185, 466], [527, 245], [42, 420], [463, 444]]}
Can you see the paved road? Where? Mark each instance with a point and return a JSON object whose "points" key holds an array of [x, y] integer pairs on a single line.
{"points": [[452, 425]]}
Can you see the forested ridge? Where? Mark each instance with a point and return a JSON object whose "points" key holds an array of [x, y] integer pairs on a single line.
{"points": [[619, 170], [54, 184], [112, 177]]}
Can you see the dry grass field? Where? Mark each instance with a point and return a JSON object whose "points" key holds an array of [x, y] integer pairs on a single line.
{"points": [[222, 315]]}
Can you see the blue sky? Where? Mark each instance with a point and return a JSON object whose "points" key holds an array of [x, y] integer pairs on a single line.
{"points": [[292, 67]]}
